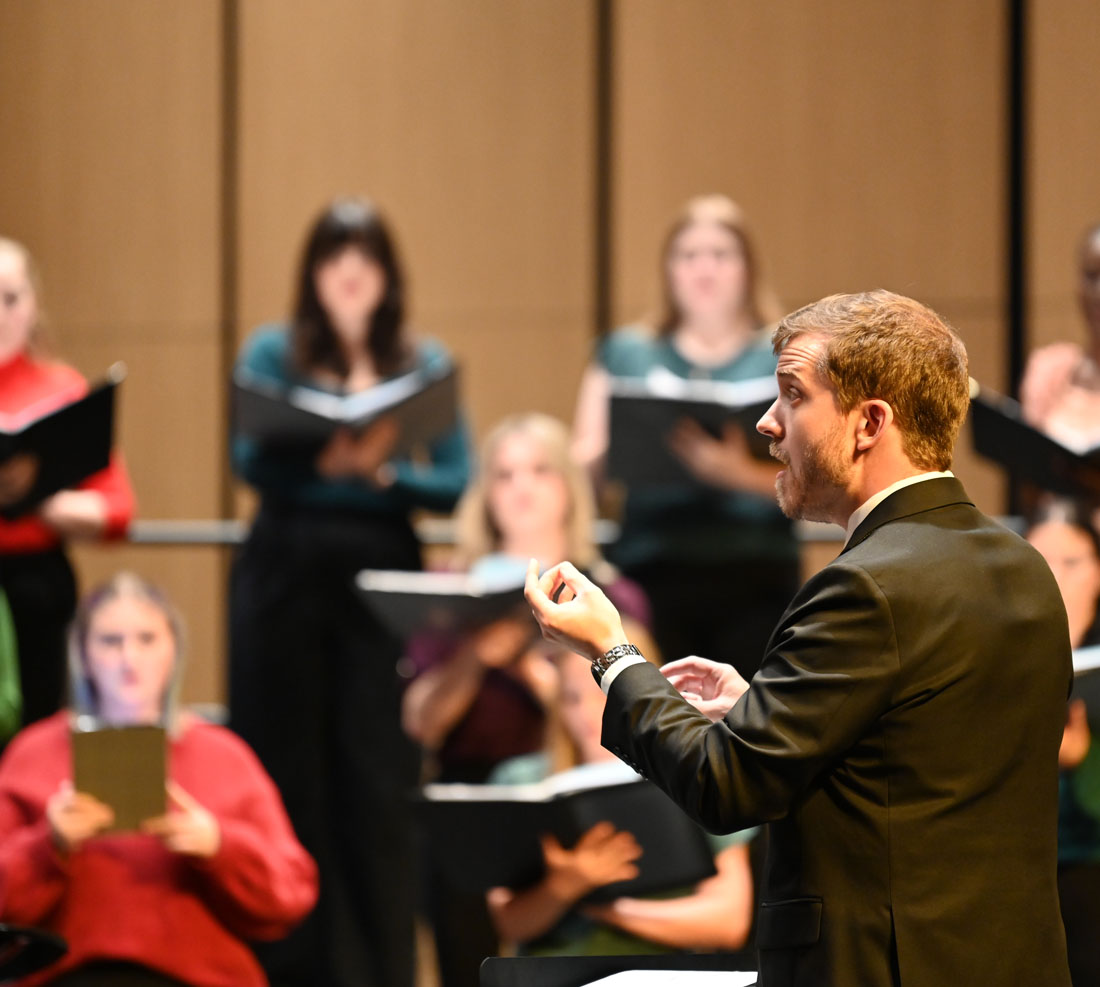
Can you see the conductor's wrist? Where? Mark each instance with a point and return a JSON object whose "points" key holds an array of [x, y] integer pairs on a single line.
{"points": [[604, 663], [615, 637]]}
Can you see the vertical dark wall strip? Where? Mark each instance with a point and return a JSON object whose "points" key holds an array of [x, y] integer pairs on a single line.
{"points": [[227, 302], [1016, 294], [602, 206]]}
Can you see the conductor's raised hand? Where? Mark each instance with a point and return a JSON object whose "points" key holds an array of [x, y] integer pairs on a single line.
{"points": [[712, 687], [573, 611]]}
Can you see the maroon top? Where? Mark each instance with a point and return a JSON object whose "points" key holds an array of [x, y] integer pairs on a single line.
{"points": [[505, 719]]}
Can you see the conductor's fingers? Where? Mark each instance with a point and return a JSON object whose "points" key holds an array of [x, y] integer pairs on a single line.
{"points": [[691, 665], [542, 593], [533, 589], [574, 579], [684, 683]]}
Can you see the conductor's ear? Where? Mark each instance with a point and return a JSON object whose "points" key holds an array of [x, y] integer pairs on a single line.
{"points": [[875, 418]]}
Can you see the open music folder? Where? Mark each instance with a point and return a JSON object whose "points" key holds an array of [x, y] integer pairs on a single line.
{"points": [[644, 412], [1001, 434], [63, 446], [488, 835], [423, 404], [410, 602]]}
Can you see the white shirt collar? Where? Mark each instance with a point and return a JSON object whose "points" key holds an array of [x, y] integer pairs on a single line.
{"points": [[861, 512]]}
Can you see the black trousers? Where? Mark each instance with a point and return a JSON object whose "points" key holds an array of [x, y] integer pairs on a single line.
{"points": [[313, 688], [41, 591], [461, 926], [1079, 891], [725, 611]]}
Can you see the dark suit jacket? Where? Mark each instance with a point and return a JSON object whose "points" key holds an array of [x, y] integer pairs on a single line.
{"points": [[901, 739]]}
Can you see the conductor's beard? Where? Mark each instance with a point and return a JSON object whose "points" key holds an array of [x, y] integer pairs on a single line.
{"points": [[810, 489]]}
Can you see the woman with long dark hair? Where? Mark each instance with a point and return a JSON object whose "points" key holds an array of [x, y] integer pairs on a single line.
{"points": [[313, 682]]}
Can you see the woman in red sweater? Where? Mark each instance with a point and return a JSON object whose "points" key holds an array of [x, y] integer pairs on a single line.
{"points": [[172, 904], [34, 570]]}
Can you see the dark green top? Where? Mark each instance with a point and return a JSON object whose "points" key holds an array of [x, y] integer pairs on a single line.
{"points": [[694, 524], [1079, 810], [290, 476]]}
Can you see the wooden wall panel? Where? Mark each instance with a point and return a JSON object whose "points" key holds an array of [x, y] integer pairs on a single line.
{"points": [[111, 116], [470, 124], [1064, 147], [865, 141]]}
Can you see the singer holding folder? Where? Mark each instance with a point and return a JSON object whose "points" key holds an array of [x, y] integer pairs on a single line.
{"points": [[35, 571], [477, 698], [1060, 389], [901, 735], [677, 541], [550, 918], [175, 902], [313, 685], [1063, 535]]}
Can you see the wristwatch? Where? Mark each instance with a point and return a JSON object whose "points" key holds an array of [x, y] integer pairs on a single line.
{"points": [[608, 658]]}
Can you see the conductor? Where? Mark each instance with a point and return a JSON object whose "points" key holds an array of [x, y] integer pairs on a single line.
{"points": [[901, 735]]}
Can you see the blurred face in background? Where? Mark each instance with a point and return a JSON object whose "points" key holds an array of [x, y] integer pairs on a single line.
{"points": [[350, 285], [1071, 555], [527, 495], [581, 705], [708, 274], [18, 305], [1088, 286], [130, 652]]}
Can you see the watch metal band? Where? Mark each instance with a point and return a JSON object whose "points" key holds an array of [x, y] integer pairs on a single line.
{"points": [[608, 658]]}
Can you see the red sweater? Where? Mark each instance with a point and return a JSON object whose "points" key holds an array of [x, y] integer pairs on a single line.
{"points": [[30, 389], [126, 897]]}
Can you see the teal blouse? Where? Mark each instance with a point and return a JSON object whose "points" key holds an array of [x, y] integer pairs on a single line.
{"points": [[694, 525], [291, 477]]}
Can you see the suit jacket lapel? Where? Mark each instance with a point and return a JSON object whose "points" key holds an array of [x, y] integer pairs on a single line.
{"points": [[913, 499]]}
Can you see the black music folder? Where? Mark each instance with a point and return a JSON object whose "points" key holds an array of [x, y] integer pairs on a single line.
{"points": [[1086, 682], [410, 602], [424, 405], [645, 410], [67, 445], [488, 835], [123, 767], [1001, 434], [665, 970]]}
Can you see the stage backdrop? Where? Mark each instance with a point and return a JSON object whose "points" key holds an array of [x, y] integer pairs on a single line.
{"points": [[162, 161]]}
